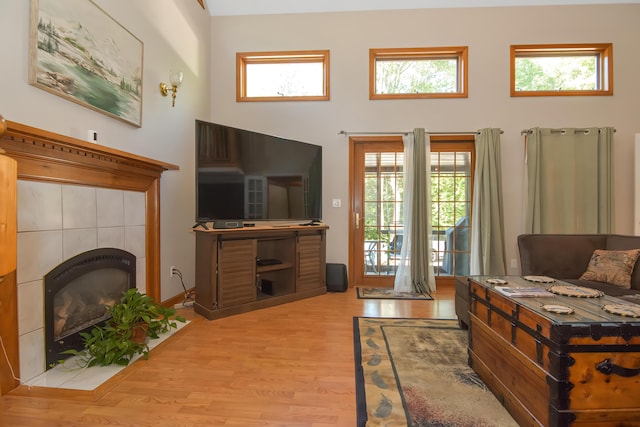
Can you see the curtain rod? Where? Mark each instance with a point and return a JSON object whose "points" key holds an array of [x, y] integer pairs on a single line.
{"points": [[584, 130], [347, 133]]}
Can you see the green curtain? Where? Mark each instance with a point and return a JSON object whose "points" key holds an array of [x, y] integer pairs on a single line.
{"points": [[415, 269], [488, 255], [569, 181]]}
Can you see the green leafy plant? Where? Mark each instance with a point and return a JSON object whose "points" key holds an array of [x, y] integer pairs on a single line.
{"points": [[115, 342]]}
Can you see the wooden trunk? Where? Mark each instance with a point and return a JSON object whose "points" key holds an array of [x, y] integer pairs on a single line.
{"points": [[580, 369]]}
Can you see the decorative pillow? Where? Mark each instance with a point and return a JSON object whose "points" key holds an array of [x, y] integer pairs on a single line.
{"points": [[613, 267]]}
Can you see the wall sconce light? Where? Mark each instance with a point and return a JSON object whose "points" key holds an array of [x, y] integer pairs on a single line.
{"points": [[175, 79]]}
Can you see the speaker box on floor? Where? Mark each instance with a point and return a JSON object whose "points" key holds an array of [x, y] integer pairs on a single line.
{"points": [[337, 277], [266, 286]]}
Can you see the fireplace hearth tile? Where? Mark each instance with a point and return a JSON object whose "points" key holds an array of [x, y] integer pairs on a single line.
{"points": [[110, 208], [75, 242], [35, 198], [134, 240], [30, 296], [79, 207], [111, 237], [134, 208], [73, 377], [32, 362], [38, 253]]}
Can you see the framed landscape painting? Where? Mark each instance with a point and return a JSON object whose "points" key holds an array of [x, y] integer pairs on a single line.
{"points": [[79, 52]]}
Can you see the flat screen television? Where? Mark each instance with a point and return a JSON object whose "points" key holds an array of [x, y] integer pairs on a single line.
{"points": [[250, 176]]}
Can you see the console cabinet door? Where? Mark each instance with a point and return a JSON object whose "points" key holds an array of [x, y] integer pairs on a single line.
{"points": [[311, 264], [206, 267], [236, 272]]}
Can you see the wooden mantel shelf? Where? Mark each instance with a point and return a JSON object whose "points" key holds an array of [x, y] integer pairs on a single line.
{"points": [[46, 156]]}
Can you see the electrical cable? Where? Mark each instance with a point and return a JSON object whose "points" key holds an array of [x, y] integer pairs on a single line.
{"points": [[6, 356], [187, 295]]}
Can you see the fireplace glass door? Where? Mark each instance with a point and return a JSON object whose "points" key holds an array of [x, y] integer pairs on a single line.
{"points": [[77, 294]]}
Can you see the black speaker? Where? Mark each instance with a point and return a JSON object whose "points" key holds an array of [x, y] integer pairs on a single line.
{"points": [[337, 280], [266, 286]]}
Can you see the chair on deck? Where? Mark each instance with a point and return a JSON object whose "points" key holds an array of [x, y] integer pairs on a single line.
{"points": [[457, 243], [371, 255]]}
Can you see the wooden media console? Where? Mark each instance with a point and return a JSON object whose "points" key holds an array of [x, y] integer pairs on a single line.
{"points": [[244, 269]]}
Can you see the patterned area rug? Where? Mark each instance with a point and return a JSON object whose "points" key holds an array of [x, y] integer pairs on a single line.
{"points": [[414, 372], [388, 293]]}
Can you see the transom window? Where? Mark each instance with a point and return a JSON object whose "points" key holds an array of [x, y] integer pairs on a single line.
{"points": [[562, 70], [436, 72], [282, 76]]}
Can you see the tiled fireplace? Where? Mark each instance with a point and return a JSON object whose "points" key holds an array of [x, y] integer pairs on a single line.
{"points": [[55, 223], [73, 197]]}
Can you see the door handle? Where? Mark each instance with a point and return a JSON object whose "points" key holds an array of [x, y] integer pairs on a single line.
{"points": [[357, 220]]}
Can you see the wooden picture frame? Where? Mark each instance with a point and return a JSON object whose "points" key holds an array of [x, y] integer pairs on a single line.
{"points": [[79, 52]]}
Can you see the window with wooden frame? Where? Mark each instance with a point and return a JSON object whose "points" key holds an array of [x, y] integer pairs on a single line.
{"points": [[282, 76], [428, 72], [562, 70]]}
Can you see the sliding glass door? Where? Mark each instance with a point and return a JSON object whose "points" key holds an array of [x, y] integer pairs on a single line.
{"points": [[377, 214]]}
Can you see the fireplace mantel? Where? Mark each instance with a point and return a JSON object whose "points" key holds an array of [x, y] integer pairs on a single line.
{"points": [[50, 157], [46, 156]]}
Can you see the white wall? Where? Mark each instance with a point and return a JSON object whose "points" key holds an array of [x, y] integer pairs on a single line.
{"points": [[175, 34], [488, 32]]}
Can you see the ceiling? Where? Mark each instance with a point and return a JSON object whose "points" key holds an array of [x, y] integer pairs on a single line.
{"points": [[264, 7]]}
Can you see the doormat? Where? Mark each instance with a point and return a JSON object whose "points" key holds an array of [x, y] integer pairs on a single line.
{"points": [[414, 372], [388, 293]]}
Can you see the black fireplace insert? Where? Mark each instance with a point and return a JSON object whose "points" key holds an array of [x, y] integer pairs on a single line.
{"points": [[77, 293]]}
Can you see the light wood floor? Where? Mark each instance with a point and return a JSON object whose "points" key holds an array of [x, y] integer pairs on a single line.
{"points": [[290, 365]]}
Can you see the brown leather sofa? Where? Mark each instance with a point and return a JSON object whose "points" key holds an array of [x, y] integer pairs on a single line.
{"points": [[564, 257]]}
